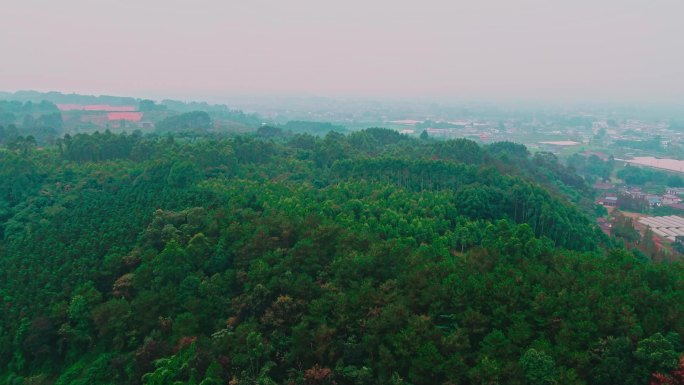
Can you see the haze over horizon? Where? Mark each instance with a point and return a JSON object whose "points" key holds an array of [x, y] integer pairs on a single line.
{"points": [[534, 49]]}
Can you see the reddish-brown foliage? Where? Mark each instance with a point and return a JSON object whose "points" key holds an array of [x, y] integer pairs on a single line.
{"points": [[674, 378], [317, 375], [184, 342]]}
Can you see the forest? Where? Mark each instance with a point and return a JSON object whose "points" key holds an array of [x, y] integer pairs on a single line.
{"points": [[285, 258]]}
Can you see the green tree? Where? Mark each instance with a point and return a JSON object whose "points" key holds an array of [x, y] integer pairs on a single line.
{"points": [[539, 367], [656, 354]]}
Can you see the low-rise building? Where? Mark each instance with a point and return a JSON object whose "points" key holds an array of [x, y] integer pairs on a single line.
{"points": [[654, 200], [634, 192], [669, 199], [609, 201]]}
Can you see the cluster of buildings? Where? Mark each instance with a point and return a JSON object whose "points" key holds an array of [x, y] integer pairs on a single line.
{"points": [[669, 227], [637, 131], [483, 131], [609, 198], [673, 196], [102, 116], [547, 132]]}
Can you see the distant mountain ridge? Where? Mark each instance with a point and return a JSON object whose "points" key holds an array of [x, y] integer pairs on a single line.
{"points": [[60, 98], [81, 99]]}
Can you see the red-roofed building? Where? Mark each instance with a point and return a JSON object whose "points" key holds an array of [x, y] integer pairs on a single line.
{"points": [[669, 199], [610, 201], [127, 116], [123, 119]]}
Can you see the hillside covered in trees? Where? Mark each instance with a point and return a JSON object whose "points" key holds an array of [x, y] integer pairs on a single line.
{"points": [[370, 258]]}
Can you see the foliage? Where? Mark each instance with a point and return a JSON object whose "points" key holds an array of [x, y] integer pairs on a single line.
{"points": [[634, 175], [313, 128], [592, 167], [195, 120], [359, 259]]}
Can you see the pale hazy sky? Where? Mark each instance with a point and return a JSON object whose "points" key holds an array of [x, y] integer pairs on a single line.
{"points": [[557, 49]]}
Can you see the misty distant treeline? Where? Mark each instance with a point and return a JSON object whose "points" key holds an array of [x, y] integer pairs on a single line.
{"points": [[35, 114], [40, 121], [61, 98]]}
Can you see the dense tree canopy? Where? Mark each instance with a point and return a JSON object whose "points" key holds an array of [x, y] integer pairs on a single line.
{"points": [[641, 175], [360, 259], [189, 121]]}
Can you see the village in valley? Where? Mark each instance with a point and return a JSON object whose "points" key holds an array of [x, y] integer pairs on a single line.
{"points": [[651, 217]]}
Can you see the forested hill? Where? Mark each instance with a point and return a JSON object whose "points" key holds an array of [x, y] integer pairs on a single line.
{"points": [[370, 258]]}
